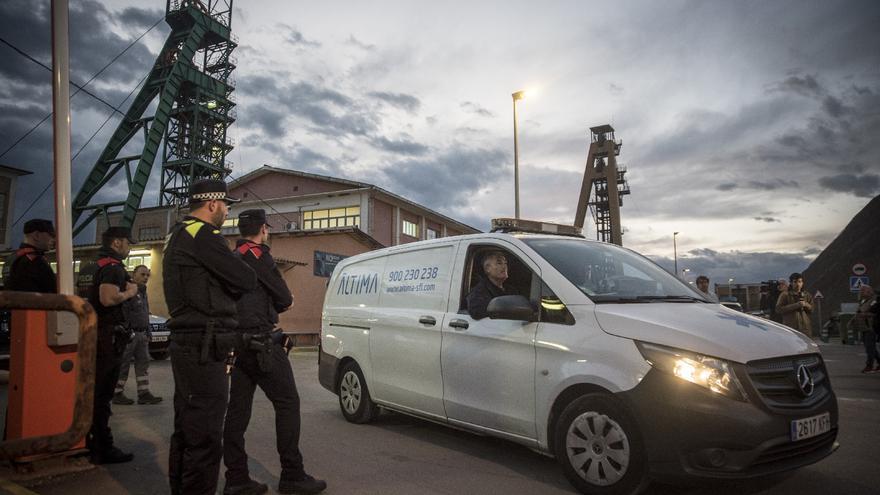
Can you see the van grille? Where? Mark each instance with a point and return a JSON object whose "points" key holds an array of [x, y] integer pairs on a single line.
{"points": [[776, 382]]}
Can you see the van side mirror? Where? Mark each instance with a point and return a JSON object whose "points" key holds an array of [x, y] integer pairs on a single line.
{"points": [[511, 308]]}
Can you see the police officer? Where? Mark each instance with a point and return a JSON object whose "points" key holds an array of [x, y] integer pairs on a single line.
{"points": [[110, 287], [261, 360], [27, 269], [202, 281]]}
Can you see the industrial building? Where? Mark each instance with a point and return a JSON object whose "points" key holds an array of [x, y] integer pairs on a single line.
{"points": [[316, 221]]}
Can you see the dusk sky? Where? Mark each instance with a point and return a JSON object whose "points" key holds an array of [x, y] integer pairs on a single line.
{"points": [[750, 127]]}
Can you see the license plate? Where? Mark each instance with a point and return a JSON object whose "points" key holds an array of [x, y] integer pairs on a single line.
{"points": [[159, 338], [810, 427]]}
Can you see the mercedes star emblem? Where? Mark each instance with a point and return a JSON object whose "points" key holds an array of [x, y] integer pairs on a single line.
{"points": [[804, 380]]}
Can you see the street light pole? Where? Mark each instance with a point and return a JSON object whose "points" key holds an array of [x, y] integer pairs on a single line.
{"points": [[675, 251], [730, 287], [519, 95]]}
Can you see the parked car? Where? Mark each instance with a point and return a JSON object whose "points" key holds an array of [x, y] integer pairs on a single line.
{"points": [[597, 356], [159, 338]]}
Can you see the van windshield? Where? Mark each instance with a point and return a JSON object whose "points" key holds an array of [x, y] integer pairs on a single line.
{"points": [[610, 274]]}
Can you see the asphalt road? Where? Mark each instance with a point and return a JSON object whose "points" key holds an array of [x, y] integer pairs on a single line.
{"points": [[401, 455]]}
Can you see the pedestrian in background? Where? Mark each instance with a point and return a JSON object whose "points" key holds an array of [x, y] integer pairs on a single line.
{"points": [[137, 316], [863, 323], [202, 281], [796, 305]]}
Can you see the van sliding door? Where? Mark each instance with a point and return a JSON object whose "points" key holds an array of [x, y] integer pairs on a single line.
{"points": [[405, 339]]}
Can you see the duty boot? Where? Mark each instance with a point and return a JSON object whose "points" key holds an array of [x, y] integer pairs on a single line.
{"points": [[111, 456], [304, 486], [250, 487], [148, 398], [119, 398]]}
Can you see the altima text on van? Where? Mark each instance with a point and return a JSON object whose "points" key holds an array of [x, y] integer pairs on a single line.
{"points": [[361, 283]]}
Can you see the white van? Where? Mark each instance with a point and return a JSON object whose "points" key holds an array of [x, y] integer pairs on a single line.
{"points": [[594, 355]]}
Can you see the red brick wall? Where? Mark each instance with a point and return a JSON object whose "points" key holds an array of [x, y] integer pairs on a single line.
{"points": [[308, 290], [281, 185], [383, 222]]}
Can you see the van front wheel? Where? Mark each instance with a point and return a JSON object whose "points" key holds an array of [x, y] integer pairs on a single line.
{"points": [[354, 397], [600, 447]]}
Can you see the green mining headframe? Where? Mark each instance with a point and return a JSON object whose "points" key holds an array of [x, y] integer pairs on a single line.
{"points": [[191, 78]]}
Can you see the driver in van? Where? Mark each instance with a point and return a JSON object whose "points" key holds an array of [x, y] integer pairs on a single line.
{"points": [[491, 284]]}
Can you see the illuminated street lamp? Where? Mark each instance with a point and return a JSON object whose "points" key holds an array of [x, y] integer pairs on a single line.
{"points": [[684, 272], [730, 287], [519, 95], [675, 252]]}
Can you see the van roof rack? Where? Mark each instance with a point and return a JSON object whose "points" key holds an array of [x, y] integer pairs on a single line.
{"points": [[511, 225]]}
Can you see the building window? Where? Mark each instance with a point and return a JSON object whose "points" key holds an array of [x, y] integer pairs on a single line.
{"points": [[411, 229], [349, 216], [149, 233], [138, 257], [431, 233], [230, 223]]}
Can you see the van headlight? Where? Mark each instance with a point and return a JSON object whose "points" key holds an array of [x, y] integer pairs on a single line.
{"points": [[712, 373]]}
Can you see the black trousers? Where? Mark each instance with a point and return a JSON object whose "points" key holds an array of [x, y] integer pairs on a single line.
{"points": [[107, 363], [869, 338], [280, 388], [200, 396]]}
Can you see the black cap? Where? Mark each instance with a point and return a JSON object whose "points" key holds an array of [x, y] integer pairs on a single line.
{"points": [[208, 189], [39, 225], [253, 217], [118, 233]]}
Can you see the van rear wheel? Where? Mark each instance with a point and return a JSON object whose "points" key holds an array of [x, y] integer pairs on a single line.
{"points": [[600, 447], [354, 396]]}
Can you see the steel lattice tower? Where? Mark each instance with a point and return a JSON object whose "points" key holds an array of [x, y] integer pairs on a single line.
{"points": [[192, 79], [608, 185]]}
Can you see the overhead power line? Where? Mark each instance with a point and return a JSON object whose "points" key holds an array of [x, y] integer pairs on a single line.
{"points": [[41, 64], [39, 196], [79, 88], [115, 109]]}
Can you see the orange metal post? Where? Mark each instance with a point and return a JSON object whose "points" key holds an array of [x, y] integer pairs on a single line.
{"points": [[46, 374]]}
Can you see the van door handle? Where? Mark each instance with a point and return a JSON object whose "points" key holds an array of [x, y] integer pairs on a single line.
{"points": [[460, 324], [428, 320]]}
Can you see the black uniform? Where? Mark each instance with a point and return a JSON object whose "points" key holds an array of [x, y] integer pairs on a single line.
{"points": [[112, 338], [479, 297], [262, 361], [27, 270], [202, 281]]}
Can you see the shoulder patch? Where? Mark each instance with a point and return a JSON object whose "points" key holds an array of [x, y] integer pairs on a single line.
{"points": [[193, 228], [215, 231]]}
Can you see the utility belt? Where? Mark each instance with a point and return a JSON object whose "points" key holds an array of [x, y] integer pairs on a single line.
{"points": [[214, 343], [122, 335], [263, 344]]}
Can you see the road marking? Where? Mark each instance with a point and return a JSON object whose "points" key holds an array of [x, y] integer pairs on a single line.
{"points": [[853, 399], [14, 489]]}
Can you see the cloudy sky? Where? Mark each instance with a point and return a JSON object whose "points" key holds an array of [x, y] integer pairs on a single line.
{"points": [[750, 127]]}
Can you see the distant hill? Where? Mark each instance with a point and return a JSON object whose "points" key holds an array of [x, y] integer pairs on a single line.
{"points": [[859, 242]]}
